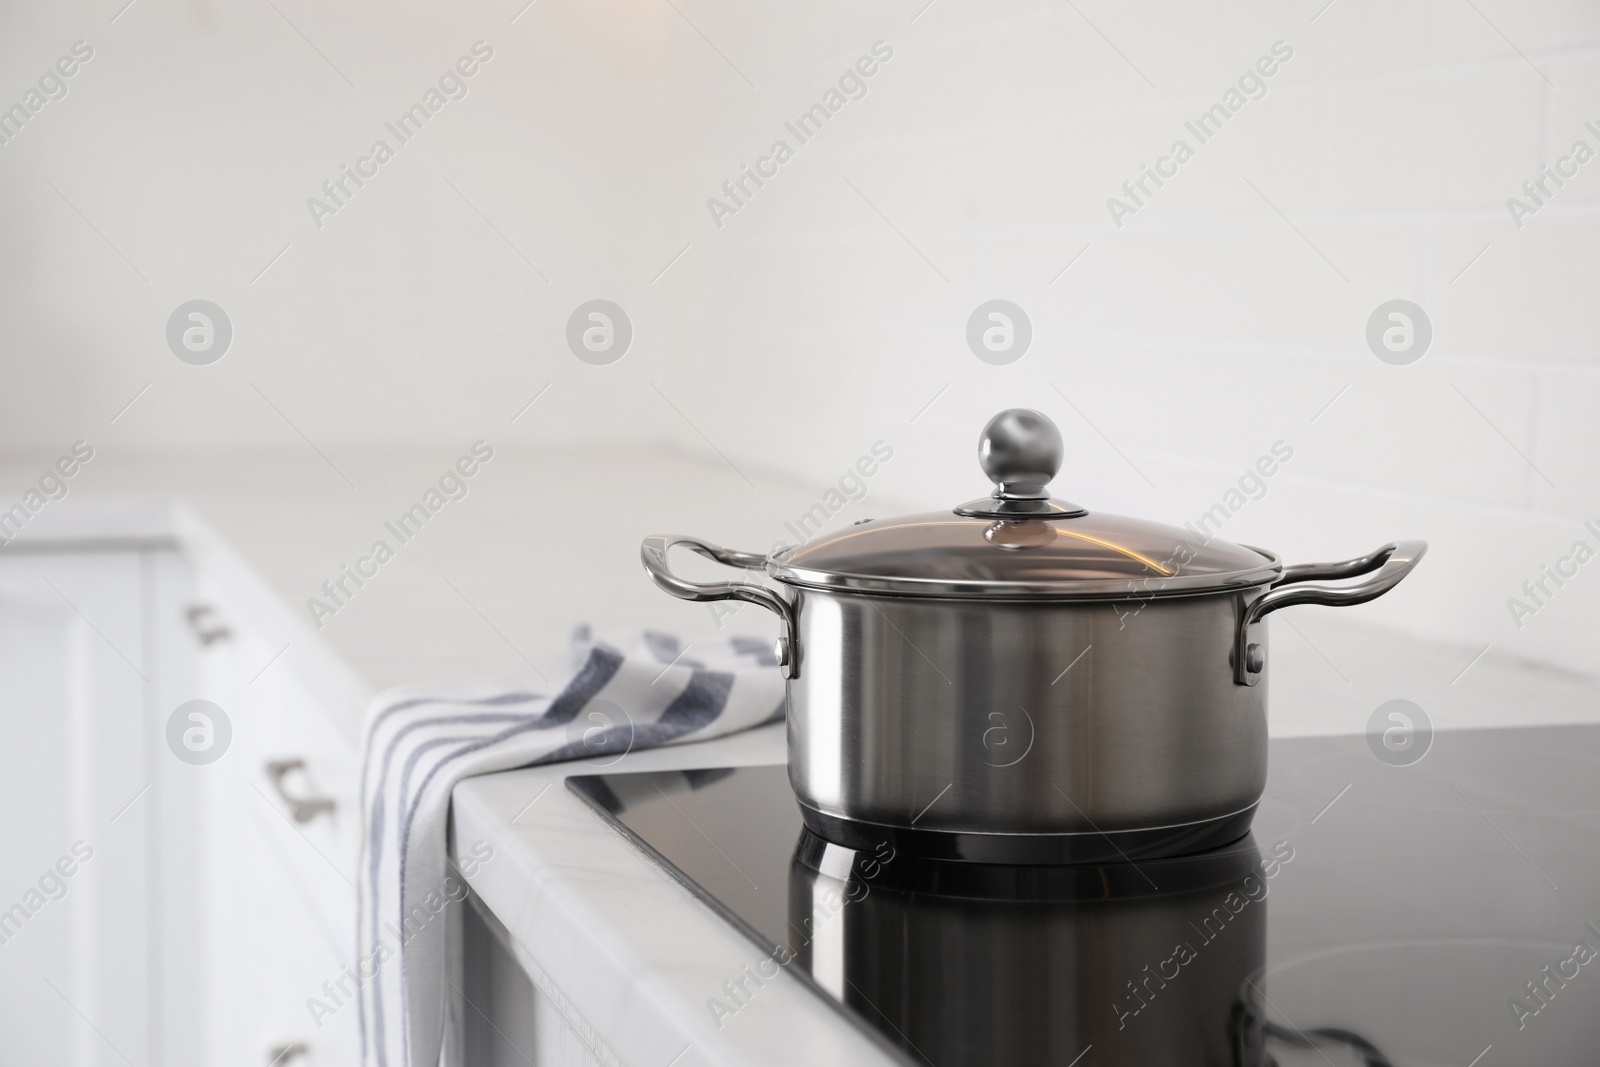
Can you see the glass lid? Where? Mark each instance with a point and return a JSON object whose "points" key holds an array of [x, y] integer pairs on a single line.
{"points": [[1020, 543]]}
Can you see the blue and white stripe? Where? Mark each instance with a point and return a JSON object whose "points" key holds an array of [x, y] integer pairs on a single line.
{"points": [[419, 744]]}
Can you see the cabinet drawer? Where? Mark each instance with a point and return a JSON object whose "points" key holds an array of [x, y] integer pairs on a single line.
{"points": [[293, 774], [273, 954], [307, 776]]}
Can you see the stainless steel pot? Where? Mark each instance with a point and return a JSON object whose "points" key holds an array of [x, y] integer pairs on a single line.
{"points": [[1020, 680]]}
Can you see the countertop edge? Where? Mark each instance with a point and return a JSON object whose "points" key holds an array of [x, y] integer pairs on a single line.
{"points": [[632, 951]]}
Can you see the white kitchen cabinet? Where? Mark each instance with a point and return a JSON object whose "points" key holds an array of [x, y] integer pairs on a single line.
{"points": [[205, 903], [83, 679], [506, 1019]]}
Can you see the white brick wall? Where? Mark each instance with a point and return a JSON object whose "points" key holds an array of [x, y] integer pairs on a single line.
{"points": [[808, 326], [1207, 327]]}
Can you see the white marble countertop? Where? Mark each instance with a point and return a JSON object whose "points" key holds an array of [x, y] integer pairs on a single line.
{"points": [[490, 588]]}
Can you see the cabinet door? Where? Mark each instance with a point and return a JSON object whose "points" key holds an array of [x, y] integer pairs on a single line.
{"points": [[157, 907], [77, 875]]}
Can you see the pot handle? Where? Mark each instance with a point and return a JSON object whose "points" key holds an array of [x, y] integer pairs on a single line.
{"points": [[1392, 561], [653, 553]]}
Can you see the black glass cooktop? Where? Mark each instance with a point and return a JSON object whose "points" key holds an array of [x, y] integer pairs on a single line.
{"points": [[1444, 912]]}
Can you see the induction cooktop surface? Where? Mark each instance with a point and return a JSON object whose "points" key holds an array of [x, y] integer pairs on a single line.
{"points": [[1438, 912]]}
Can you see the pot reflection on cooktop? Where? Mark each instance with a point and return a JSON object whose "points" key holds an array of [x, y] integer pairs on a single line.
{"points": [[1376, 915], [1014, 968]]}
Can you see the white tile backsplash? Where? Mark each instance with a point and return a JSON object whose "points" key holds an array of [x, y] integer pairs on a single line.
{"points": [[1454, 139], [1488, 28], [1530, 298], [1224, 315], [1567, 443]]}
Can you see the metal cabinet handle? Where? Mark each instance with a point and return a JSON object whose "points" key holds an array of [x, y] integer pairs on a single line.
{"points": [[653, 553], [203, 621], [1392, 561], [283, 1055], [304, 809]]}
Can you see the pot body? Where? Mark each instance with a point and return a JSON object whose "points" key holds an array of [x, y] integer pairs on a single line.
{"points": [[1008, 692], [1025, 731]]}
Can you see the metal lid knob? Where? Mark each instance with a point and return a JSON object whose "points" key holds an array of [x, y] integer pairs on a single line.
{"points": [[1020, 450]]}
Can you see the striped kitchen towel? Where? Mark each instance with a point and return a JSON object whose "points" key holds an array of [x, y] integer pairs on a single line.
{"points": [[419, 743]]}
